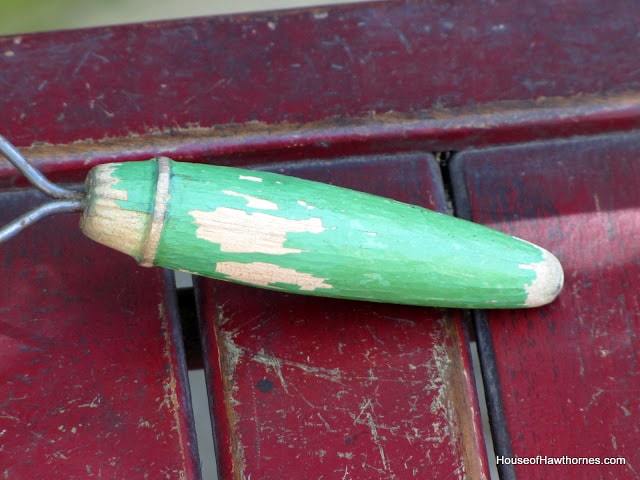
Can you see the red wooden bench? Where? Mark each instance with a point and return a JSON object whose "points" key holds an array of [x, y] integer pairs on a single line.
{"points": [[520, 115]]}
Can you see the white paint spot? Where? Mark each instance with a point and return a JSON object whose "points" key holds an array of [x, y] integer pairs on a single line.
{"points": [[266, 274], [142, 423], [320, 15], [237, 231], [250, 178], [302, 203], [253, 202], [271, 25], [548, 282]]}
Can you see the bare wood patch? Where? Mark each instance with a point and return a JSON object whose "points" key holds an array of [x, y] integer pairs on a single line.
{"points": [[237, 231], [268, 274]]}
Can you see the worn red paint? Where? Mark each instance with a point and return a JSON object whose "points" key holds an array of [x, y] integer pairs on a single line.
{"points": [[569, 372], [324, 83], [343, 66], [336, 389], [260, 143], [92, 378]]}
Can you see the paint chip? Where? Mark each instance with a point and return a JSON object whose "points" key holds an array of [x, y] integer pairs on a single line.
{"points": [[253, 202], [237, 231], [267, 274], [302, 203], [547, 284], [105, 186]]}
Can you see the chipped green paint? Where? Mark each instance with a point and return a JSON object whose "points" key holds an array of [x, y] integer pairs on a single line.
{"points": [[299, 236], [134, 179]]}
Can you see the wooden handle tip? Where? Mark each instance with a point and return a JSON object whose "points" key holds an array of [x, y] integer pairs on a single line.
{"points": [[548, 282]]}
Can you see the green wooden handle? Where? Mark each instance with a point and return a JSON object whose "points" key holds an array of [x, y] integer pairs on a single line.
{"points": [[299, 236]]}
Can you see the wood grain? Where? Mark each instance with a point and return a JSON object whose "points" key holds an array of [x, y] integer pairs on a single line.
{"points": [[92, 375], [568, 372]]}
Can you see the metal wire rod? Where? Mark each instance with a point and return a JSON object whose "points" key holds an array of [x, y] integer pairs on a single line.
{"points": [[14, 227], [34, 175], [66, 200]]}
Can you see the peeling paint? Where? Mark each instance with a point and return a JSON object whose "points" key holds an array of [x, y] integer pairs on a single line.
{"points": [[253, 202], [268, 275], [440, 406], [170, 387], [105, 220], [233, 353], [106, 187], [548, 281], [237, 231]]}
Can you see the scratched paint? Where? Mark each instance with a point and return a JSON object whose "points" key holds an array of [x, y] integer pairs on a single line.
{"points": [[119, 408], [376, 398]]}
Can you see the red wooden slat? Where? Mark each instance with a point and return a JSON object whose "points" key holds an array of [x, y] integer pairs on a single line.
{"points": [[569, 373], [314, 388], [363, 78], [92, 376]]}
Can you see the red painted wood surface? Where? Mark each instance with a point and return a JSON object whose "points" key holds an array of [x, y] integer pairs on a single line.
{"points": [[569, 372], [323, 83], [383, 77], [92, 376], [307, 387]]}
